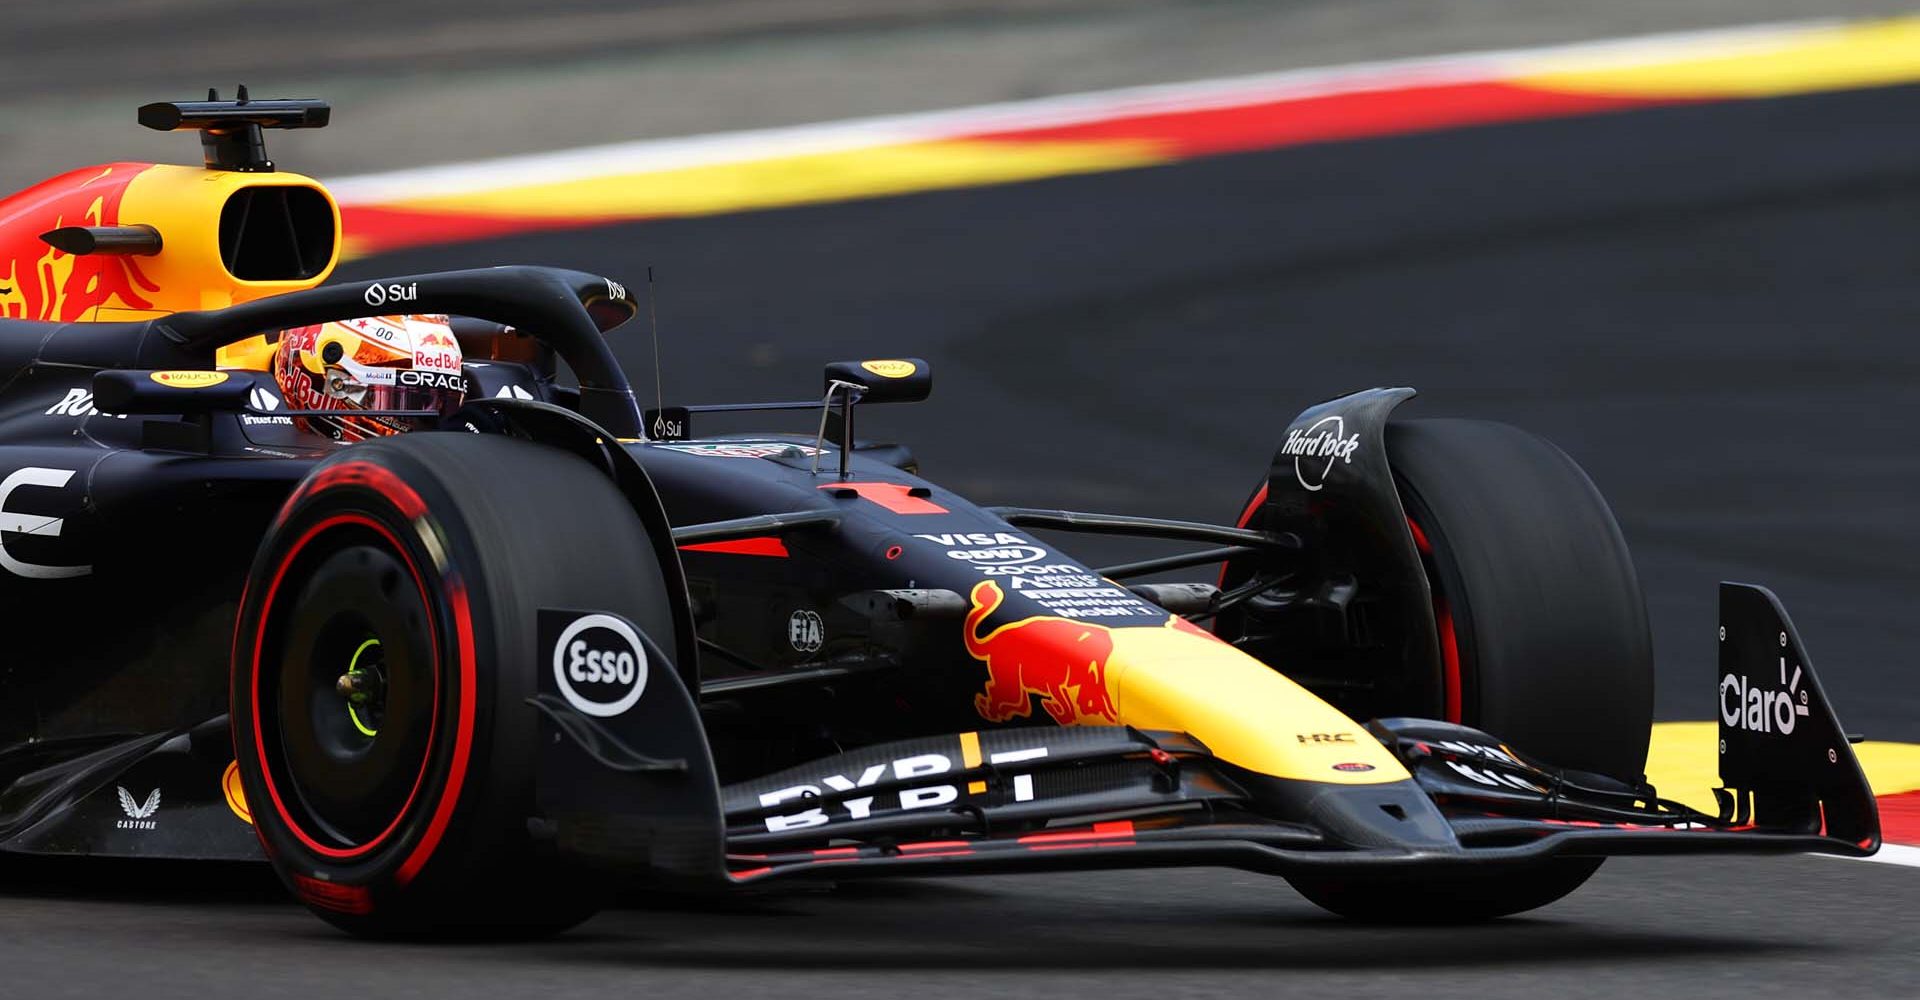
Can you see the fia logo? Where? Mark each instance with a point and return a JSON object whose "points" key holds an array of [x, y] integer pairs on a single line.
{"points": [[806, 632], [138, 813]]}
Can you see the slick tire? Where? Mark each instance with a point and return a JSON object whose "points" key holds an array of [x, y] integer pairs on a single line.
{"points": [[1533, 581], [382, 663], [1543, 631]]}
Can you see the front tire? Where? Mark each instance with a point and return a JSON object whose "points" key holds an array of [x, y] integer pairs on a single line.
{"points": [[382, 662], [1544, 637], [1529, 569]]}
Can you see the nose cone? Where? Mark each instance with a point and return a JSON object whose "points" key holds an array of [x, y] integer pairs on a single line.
{"points": [[1178, 677]]}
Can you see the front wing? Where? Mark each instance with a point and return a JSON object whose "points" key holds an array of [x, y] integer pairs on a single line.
{"points": [[1194, 821], [1115, 797]]}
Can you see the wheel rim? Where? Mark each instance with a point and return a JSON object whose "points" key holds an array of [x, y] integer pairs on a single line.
{"points": [[346, 686]]}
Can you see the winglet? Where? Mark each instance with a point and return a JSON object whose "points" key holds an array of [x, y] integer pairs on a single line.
{"points": [[1784, 759]]}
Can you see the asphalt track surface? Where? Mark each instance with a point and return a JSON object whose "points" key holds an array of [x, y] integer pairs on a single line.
{"points": [[430, 81], [1711, 307]]}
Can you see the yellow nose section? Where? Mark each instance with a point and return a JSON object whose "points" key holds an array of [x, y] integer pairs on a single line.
{"points": [[1243, 710]]}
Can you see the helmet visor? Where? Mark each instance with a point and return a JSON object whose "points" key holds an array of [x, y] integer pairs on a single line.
{"points": [[373, 387]]}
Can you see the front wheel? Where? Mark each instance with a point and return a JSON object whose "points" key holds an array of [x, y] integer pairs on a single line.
{"points": [[1543, 625], [1543, 632], [382, 665]]}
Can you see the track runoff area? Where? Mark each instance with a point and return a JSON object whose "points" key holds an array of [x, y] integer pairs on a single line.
{"points": [[1153, 126]]}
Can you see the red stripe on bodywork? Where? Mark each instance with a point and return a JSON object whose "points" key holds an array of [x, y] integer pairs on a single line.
{"points": [[1117, 830], [766, 546], [892, 496], [1332, 118]]}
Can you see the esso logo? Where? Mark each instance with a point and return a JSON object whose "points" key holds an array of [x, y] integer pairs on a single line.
{"points": [[445, 361], [600, 665]]}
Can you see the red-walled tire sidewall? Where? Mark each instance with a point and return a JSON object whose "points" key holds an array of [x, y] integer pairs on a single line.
{"points": [[459, 859]]}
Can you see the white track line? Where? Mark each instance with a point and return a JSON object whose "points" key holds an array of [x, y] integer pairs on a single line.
{"points": [[649, 155]]}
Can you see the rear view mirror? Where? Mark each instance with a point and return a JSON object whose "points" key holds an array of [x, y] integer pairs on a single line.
{"points": [[181, 392], [888, 380]]}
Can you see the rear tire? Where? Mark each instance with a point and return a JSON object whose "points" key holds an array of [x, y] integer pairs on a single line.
{"points": [[417, 565], [1544, 635]]}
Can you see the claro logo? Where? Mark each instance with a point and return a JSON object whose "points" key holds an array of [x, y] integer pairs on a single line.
{"points": [[1757, 708], [600, 665]]}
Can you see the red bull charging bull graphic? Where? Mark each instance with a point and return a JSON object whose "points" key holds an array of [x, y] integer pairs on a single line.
{"points": [[39, 282], [1061, 660]]}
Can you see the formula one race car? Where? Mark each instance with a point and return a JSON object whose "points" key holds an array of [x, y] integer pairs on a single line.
{"points": [[479, 677]]}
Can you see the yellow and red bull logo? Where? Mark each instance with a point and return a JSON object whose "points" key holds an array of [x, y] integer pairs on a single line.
{"points": [[38, 282], [1061, 660], [185, 205], [1171, 675]]}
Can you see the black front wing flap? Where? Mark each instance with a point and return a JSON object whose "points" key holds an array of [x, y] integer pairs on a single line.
{"points": [[1114, 797], [1175, 827]]}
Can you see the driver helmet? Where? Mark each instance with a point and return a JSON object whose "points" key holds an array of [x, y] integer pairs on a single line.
{"points": [[379, 363]]}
